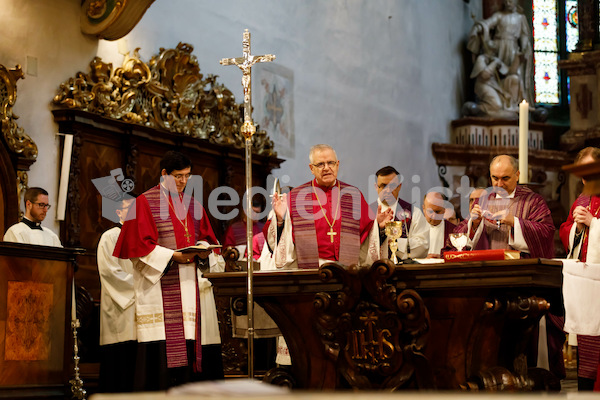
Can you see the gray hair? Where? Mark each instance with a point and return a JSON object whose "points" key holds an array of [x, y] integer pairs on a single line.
{"points": [[513, 161], [320, 147]]}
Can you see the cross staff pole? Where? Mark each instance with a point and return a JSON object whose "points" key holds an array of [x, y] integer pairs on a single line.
{"points": [[248, 129]]}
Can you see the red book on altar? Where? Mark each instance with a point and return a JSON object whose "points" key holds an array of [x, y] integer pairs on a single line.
{"points": [[481, 255]]}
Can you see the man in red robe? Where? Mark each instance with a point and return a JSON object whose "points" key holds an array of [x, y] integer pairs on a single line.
{"points": [[511, 216], [581, 228], [322, 220], [177, 327], [515, 217]]}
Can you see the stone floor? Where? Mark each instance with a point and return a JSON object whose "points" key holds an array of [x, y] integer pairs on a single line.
{"points": [[569, 384]]}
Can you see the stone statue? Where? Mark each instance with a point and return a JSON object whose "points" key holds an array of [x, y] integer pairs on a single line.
{"points": [[503, 63]]}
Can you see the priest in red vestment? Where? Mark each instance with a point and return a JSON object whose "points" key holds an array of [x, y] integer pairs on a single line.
{"points": [[322, 220], [581, 228], [514, 217], [511, 216], [176, 319]]}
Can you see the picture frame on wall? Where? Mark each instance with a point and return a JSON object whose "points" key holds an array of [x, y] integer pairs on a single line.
{"points": [[274, 106]]}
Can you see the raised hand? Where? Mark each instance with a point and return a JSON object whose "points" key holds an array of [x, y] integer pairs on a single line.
{"points": [[279, 203], [383, 217]]}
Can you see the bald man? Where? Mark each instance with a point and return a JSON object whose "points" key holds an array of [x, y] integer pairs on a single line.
{"points": [[435, 208], [511, 216]]}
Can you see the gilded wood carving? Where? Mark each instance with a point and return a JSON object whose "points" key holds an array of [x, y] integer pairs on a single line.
{"points": [[167, 93], [112, 19]]}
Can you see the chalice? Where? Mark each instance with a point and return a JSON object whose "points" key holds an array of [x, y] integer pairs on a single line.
{"points": [[459, 240], [393, 231]]}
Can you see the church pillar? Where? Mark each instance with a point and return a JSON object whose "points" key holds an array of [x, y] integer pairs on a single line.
{"points": [[582, 69], [587, 12]]}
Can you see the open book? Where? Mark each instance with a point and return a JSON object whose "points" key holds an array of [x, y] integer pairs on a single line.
{"points": [[199, 247]]}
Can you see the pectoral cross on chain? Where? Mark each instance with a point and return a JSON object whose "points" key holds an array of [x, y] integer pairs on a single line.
{"points": [[245, 63], [331, 233]]}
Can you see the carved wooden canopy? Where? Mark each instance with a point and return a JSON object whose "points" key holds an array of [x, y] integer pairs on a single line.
{"points": [[167, 93]]}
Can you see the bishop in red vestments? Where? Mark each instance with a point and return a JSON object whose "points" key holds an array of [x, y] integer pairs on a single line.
{"points": [[175, 312], [322, 220]]}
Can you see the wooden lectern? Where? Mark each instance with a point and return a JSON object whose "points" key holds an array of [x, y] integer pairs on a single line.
{"points": [[36, 343]]}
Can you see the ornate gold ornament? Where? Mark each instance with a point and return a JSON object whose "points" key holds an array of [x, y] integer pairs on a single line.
{"points": [[16, 138], [112, 19], [168, 93]]}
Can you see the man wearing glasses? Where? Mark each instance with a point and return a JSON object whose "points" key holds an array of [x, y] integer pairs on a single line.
{"points": [[177, 327], [30, 229], [322, 220]]}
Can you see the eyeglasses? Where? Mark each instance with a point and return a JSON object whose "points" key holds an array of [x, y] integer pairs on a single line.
{"points": [[43, 205], [181, 177], [322, 165]]}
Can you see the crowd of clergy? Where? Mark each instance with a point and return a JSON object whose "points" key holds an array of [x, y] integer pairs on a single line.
{"points": [[159, 326]]}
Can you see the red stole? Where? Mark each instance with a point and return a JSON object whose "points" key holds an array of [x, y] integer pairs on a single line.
{"points": [[140, 236], [311, 227]]}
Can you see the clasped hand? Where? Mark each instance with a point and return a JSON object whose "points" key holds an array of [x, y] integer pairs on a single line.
{"points": [[582, 216]]}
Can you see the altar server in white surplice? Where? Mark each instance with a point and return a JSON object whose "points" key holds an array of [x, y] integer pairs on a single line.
{"points": [[30, 229], [118, 337]]}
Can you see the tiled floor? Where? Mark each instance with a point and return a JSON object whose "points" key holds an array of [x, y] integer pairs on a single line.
{"points": [[569, 384]]}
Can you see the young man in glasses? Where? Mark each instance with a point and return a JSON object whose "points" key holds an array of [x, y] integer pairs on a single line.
{"points": [[322, 220], [177, 326], [30, 229], [414, 241]]}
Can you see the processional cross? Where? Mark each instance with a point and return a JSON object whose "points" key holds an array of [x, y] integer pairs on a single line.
{"points": [[245, 63], [248, 129]]}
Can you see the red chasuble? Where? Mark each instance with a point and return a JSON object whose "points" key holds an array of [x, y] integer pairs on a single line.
{"points": [[337, 237], [535, 219]]}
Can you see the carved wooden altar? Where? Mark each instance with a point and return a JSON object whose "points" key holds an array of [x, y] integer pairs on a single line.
{"points": [[445, 326]]}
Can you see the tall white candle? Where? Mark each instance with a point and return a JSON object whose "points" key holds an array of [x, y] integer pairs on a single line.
{"points": [[73, 303], [64, 178], [523, 142]]}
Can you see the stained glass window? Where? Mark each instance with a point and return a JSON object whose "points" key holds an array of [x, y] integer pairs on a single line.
{"points": [[571, 26], [545, 52], [555, 33]]}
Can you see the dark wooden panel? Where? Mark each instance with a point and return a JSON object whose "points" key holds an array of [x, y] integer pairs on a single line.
{"points": [[35, 316]]}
